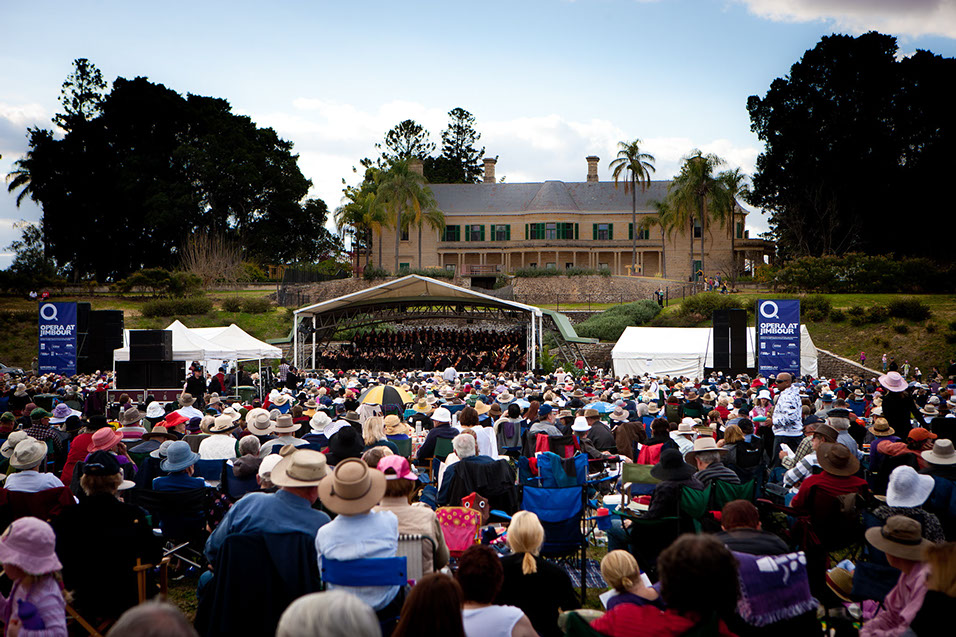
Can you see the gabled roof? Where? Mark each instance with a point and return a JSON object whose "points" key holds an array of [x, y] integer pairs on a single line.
{"points": [[549, 196], [413, 288], [553, 196]]}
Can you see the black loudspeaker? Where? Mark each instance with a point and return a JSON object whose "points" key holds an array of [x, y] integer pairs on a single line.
{"points": [[150, 374], [99, 332], [721, 332], [150, 345], [738, 339]]}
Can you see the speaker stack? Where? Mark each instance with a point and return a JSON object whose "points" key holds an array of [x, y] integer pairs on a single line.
{"points": [[730, 343], [98, 333], [151, 364]]}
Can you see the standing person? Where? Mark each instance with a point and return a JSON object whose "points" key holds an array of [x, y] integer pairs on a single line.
{"points": [[787, 416], [862, 358], [196, 385], [283, 374], [885, 362], [35, 605], [898, 404]]}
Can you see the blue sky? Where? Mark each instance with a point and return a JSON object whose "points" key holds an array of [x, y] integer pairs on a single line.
{"points": [[549, 81]]}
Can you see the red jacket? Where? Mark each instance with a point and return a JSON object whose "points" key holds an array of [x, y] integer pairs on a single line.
{"points": [[829, 484], [631, 620]]}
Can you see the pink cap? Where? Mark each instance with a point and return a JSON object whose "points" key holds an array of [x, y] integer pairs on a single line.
{"points": [[30, 544], [396, 467]]}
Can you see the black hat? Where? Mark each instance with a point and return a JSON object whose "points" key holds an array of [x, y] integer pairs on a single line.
{"points": [[672, 466], [101, 463], [97, 422], [73, 423], [345, 443]]}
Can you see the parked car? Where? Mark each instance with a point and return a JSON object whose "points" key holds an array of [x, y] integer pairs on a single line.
{"points": [[15, 371]]}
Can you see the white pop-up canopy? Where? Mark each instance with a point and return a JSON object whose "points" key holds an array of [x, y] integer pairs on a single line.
{"points": [[685, 351], [246, 346], [187, 346]]}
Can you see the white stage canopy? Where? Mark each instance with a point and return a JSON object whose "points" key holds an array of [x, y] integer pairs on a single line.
{"points": [[246, 346], [680, 351], [187, 346]]}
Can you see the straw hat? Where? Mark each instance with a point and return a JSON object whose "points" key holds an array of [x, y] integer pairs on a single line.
{"points": [[900, 537], [836, 459], [880, 428], [504, 398], [929, 410], [222, 424], [481, 407], [160, 431], [941, 453], [206, 423], [352, 488], [299, 468], [653, 408], [28, 454], [280, 400], [423, 407], [840, 582], [703, 444]]}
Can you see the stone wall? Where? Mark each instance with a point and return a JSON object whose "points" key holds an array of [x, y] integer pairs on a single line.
{"points": [[830, 365], [590, 289]]}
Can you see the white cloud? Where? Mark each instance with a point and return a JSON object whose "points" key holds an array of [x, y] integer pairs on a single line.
{"points": [[908, 17]]}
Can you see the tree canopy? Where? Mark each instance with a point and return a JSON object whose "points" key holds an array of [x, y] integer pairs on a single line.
{"points": [[857, 149], [143, 168]]}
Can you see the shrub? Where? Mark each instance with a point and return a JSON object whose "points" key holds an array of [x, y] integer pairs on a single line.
{"points": [[158, 281], [184, 284], [252, 273], [864, 273], [232, 304], [901, 328], [610, 324], [256, 305], [501, 281], [815, 307], [837, 316], [177, 307], [856, 310], [877, 314], [371, 273], [910, 308], [705, 304]]}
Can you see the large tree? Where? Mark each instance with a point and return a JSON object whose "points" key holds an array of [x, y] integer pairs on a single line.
{"points": [[663, 218], [407, 140], [81, 95], [123, 190], [732, 187], [637, 166], [405, 195], [858, 149], [693, 194], [460, 161]]}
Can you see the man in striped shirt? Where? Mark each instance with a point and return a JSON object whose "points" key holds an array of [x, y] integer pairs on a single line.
{"points": [[804, 468]]}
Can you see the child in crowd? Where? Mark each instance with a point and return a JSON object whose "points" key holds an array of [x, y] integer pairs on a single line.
{"points": [[35, 605]]}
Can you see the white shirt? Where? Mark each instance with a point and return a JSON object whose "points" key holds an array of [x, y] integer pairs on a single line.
{"points": [[491, 621], [217, 447], [487, 442], [31, 481]]}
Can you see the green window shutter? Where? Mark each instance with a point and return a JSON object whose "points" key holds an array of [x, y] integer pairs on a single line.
{"points": [[576, 230], [525, 232], [630, 231], [468, 233], [482, 235], [493, 232], [457, 233], [594, 231], [508, 232], [610, 231]]}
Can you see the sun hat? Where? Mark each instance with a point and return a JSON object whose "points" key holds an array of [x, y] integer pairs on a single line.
{"points": [[921, 433], [232, 413], [253, 414], [222, 424], [671, 466], [30, 544], [876, 411], [441, 415], [15, 437], [206, 422], [280, 400], [858, 393], [591, 413], [351, 416], [880, 428], [159, 430], [422, 406], [345, 443], [268, 464], [565, 413], [827, 432], [836, 459], [173, 419], [764, 393], [178, 457], [580, 425], [840, 582], [941, 453], [213, 399], [929, 410], [61, 412], [705, 443], [619, 415], [101, 463], [394, 426], [163, 448], [505, 397], [900, 537], [186, 399], [299, 468], [104, 439], [653, 408], [352, 488], [318, 421], [396, 467], [154, 410], [38, 413], [28, 454], [285, 425], [907, 488], [893, 381]]}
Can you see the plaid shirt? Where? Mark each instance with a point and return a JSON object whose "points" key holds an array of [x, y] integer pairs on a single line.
{"points": [[43, 433], [803, 470], [805, 448]]}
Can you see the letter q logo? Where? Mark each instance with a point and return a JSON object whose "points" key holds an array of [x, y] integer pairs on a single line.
{"points": [[769, 309], [48, 312]]}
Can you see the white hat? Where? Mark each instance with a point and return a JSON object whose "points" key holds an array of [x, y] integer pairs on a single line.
{"points": [[580, 425], [441, 415], [268, 464], [154, 410], [763, 393], [908, 488], [319, 420]]}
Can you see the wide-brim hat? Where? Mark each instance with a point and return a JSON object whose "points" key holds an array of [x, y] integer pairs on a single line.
{"points": [[481, 407], [893, 381], [154, 410], [705, 443], [929, 410], [619, 415], [422, 406], [840, 582], [103, 439], [580, 425], [672, 466], [178, 457], [285, 425], [160, 431], [161, 452], [881, 428], [319, 421], [28, 454], [30, 544], [345, 443], [280, 400], [504, 398], [906, 488], [836, 459], [222, 424], [299, 468], [61, 412], [653, 408], [15, 437], [352, 488], [206, 422], [900, 537], [941, 453], [186, 399]]}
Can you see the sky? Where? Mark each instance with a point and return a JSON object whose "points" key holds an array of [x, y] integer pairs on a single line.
{"points": [[548, 81]]}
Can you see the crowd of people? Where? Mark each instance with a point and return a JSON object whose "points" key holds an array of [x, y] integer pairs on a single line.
{"points": [[429, 349], [841, 505]]}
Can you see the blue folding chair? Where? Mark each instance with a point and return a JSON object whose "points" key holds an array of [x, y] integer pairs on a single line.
{"points": [[209, 470], [369, 571], [235, 488], [561, 512]]}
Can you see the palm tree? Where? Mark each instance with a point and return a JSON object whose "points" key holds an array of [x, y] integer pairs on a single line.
{"points": [[733, 186], [693, 192], [401, 188], [427, 213], [638, 166], [663, 218], [22, 174]]}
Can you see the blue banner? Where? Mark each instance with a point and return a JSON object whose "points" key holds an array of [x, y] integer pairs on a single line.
{"points": [[57, 338], [778, 336]]}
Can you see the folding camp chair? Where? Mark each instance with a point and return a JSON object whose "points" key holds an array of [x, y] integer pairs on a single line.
{"points": [[636, 479], [561, 512], [460, 527], [141, 570], [209, 470], [179, 517], [724, 492], [369, 571], [443, 447], [194, 440], [404, 447], [46, 504], [234, 487], [411, 548], [692, 507]]}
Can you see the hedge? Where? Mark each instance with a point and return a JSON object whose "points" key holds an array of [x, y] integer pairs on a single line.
{"points": [[610, 324], [912, 309], [855, 273], [177, 307], [534, 273]]}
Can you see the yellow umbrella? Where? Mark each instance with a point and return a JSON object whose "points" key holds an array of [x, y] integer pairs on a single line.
{"points": [[386, 395]]}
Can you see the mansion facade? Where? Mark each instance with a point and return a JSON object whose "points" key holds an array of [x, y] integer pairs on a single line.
{"points": [[496, 228]]}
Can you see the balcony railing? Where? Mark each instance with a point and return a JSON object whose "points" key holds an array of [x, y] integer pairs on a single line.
{"points": [[480, 270]]}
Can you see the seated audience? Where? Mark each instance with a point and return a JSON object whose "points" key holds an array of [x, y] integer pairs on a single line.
{"points": [[621, 572], [179, 464], [27, 457], [480, 575], [433, 607], [330, 614], [706, 456], [741, 532]]}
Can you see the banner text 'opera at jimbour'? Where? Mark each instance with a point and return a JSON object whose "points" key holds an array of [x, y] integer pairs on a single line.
{"points": [[778, 336]]}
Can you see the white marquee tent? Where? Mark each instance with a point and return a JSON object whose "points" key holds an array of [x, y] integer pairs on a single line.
{"points": [[209, 343], [680, 351], [245, 346]]}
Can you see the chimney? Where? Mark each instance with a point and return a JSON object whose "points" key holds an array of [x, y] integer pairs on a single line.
{"points": [[592, 167], [490, 169], [416, 166]]}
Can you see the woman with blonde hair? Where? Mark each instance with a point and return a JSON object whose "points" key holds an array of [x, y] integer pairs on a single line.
{"points": [[536, 586], [373, 431], [621, 572]]}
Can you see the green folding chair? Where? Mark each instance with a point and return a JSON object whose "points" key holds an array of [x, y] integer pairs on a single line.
{"points": [[694, 505], [636, 474], [404, 447], [724, 492], [443, 448]]}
